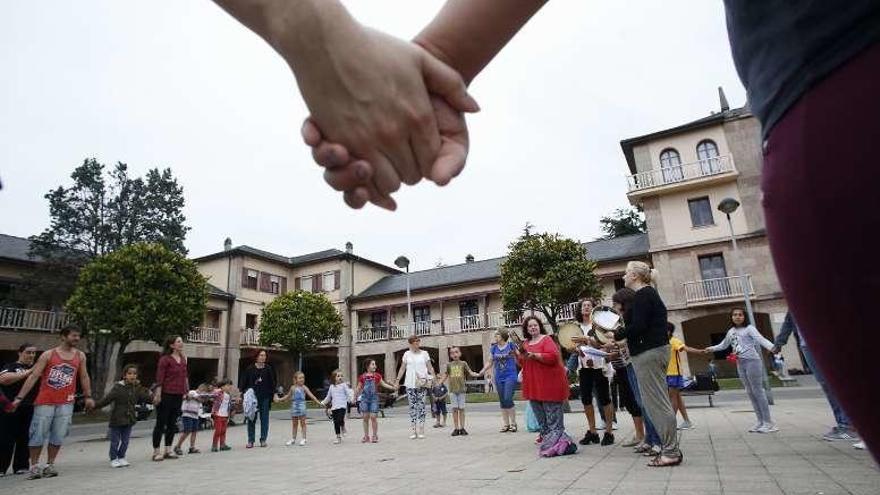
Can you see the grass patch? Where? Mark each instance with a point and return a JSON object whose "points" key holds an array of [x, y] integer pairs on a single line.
{"points": [[735, 383]]}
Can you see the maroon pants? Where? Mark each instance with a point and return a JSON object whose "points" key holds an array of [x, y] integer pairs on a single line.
{"points": [[822, 206]]}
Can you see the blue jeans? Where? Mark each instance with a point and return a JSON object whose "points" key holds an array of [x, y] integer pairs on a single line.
{"points": [[840, 416], [262, 413], [505, 386], [50, 422], [119, 436], [651, 436]]}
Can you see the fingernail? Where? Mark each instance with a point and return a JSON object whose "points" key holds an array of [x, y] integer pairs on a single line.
{"points": [[475, 107], [361, 172]]}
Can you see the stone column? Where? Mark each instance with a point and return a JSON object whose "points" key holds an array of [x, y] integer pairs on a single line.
{"points": [[390, 366], [443, 352]]}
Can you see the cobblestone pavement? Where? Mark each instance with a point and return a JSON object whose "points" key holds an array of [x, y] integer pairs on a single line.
{"points": [[720, 458]]}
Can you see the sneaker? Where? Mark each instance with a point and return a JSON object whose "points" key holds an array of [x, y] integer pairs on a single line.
{"points": [[178, 451], [421, 435], [456, 433], [215, 449], [590, 438], [375, 439], [337, 440], [123, 462], [302, 442], [463, 433], [859, 445], [115, 463], [614, 426], [768, 428], [413, 436], [754, 429], [838, 434], [23, 471], [35, 473], [224, 448], [607, 439], [193, 450], [437, 425], [169, 455], [249, 445], [291, 442], [685, 425], [263, 444], [49, 471], [600, 424]]}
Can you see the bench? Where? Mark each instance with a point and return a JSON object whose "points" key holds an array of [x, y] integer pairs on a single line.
{"points": [[706, 393]]}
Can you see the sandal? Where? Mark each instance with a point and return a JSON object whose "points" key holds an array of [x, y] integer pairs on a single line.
{"points": [[512, 428], [170, 455], [158, 458], [504, 429], [669, 462]]}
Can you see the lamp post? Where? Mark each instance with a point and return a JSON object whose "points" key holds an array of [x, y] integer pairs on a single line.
{"points": [[403, 262], [728, 206]]}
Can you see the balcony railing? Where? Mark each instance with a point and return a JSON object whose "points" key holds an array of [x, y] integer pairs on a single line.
{"points": [[460, 324], [251, 337], [204, 335], [29, 319], [715, 289], [679, 173]]}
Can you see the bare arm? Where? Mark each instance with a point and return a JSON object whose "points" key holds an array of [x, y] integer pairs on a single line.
{"points": [[467, 34], [311, 395], [8, 378], [37, 371], [286, 396]]}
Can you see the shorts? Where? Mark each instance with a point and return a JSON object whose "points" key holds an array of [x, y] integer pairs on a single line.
{"points": [[298, 409], [590, 378], [457, 400], [369, 405], [51, 422], [190, 425], [439, 407], [675, 381]]}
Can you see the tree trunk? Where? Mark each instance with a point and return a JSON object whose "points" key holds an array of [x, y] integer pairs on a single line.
{"points": [[104, 366]]}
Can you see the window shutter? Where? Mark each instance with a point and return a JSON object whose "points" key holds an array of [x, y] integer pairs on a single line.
{"points": [[265, 283], [317, 281], [336, 276], [283, 285], [244, 277], [296, 283]]}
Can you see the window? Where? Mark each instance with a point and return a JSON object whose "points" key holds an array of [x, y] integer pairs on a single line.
{"points": [[469, 311], [250, 321], [250, 281], [701, 212], [715, 284], [422, 319], [305, 283], [707, 153], [274, 284], [670, 162], [619, 284], [329, 282], [379, 319]]}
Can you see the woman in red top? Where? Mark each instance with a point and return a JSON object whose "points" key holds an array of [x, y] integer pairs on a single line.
{"points": [[171, 384], [545, 385]]}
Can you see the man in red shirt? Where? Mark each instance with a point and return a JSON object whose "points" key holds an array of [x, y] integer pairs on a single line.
{"points": [[57, 370]]}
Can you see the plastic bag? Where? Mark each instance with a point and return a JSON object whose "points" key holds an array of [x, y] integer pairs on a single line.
{"points": [[531, 421]]}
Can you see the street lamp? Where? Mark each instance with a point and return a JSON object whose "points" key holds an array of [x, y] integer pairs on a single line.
{"points": [[403, 262], [728, 206]]}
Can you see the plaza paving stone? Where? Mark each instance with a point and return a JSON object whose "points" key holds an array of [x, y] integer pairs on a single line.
{"points": [[720, 458]]}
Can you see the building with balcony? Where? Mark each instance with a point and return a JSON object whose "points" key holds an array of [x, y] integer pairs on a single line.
{"points": [[678, 176]]}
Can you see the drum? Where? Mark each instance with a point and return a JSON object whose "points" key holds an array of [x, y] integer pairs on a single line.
{"points": [[605, 319], [567, 331]]}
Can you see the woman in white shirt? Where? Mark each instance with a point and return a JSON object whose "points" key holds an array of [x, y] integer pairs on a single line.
{"points": [[744, 340], [416, 364]]}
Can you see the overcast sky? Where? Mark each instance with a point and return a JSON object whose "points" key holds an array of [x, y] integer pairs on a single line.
{"points": [[180, 84]]}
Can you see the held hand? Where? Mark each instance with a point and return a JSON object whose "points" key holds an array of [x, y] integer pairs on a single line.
{"points": [[14, 405], [90, 404], [345, 173], [776, 349], [157, 399]]}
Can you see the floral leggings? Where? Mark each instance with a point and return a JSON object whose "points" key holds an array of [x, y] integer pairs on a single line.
{"points": [[416, 397]]}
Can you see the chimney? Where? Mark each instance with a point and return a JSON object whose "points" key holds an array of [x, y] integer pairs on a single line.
{"points": [[724, 105], [469, 258], [349, 247], [227, 244]]}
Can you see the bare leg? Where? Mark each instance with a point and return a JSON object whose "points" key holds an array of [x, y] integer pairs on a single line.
{"points": [[302, 426], [681, 406], [512, 415], [53, 452], [192, 440], [444, 419], [375, 421], [455, 421], [181, 439], [639, 425], [366, 417], [609, 423], [461, 417], [36, 452], [673, 400], [591, 417]]}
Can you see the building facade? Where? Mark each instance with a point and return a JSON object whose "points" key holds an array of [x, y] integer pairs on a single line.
{"points": [[679, 176]]}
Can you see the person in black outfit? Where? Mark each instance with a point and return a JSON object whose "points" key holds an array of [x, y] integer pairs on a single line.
{"points": [[259, 376], [15, 426], [645, 332]]}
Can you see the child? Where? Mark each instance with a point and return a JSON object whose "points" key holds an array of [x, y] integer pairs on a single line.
{"points": [[439, 393], [457, 371], [189, 417], [220, 414], [124, 395], [368, 390], [338, 397], [297, 396]]}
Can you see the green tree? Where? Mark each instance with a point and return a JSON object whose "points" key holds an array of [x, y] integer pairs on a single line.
{"points": [[98, 214], [623, 221], [138, 292], [542, 272], [299, 321]]}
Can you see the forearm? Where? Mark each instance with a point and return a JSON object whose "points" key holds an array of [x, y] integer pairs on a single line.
{"points": [[467, 34], [28, 385]]}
